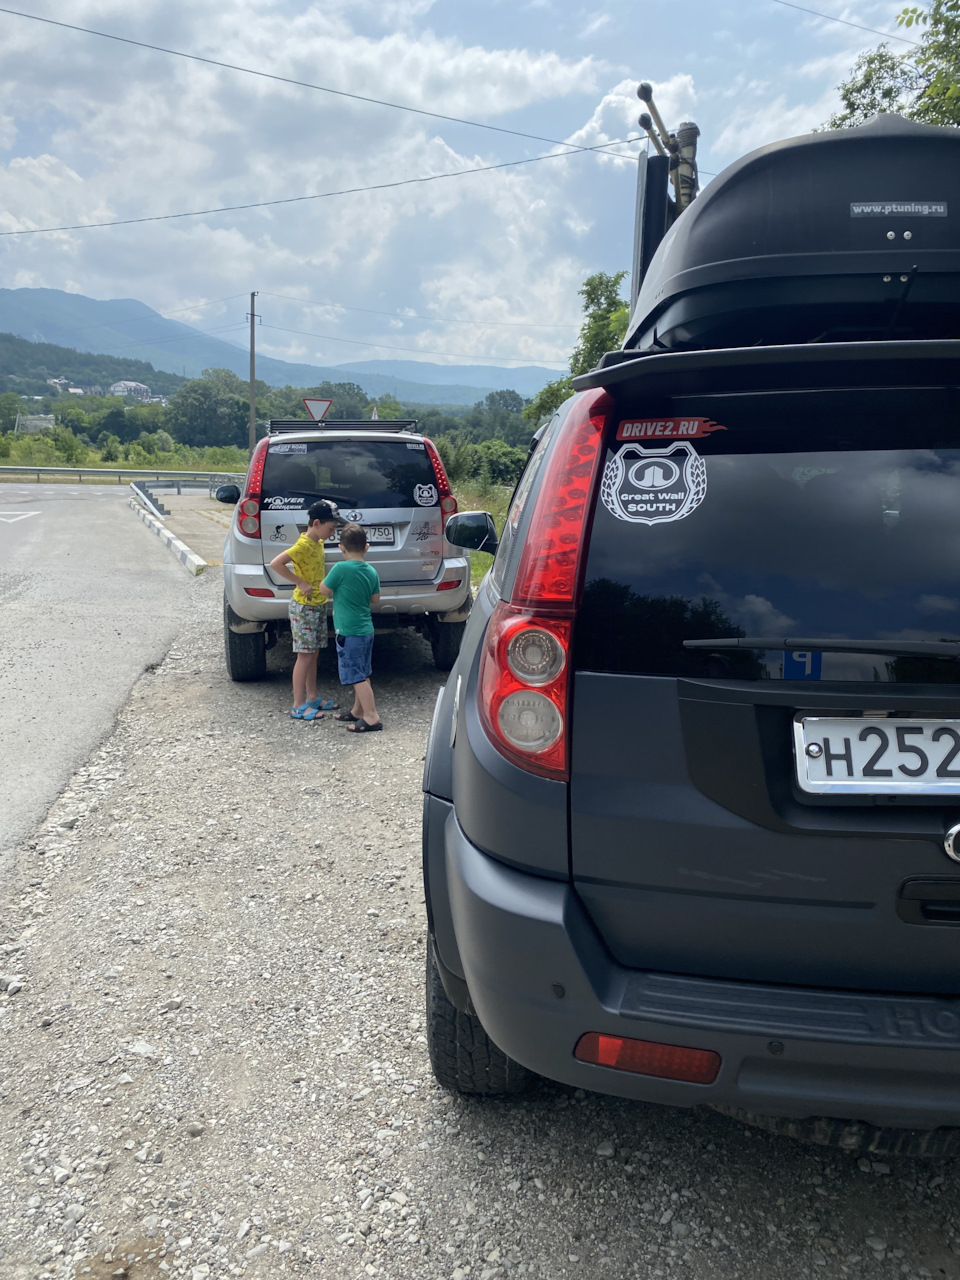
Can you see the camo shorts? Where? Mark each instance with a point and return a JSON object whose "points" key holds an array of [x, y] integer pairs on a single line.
{"points": [[308, 626]]}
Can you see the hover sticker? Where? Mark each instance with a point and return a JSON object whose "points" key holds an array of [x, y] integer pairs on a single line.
{"points": [[653, 486], [425, 495]]}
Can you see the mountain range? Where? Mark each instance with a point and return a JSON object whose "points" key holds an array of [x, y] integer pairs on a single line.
{"points": [[126, 327]]}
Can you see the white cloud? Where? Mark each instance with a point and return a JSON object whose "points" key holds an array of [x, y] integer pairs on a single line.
{"points": [[753, 126]]}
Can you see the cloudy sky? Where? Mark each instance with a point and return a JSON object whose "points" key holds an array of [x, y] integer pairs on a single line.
{"points": [[461, 269]]}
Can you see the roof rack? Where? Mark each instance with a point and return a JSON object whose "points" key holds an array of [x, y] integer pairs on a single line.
{"points": [[280, 425]]}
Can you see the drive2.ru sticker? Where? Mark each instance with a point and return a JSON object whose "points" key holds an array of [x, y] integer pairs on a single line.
{"points": [[669, 428], [653, 486]]}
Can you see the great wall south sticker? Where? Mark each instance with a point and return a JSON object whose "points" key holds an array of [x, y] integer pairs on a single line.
{"points": [[653, 486]]}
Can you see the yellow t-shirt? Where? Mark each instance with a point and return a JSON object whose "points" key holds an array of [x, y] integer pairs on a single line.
{"points": [[309, 562]]}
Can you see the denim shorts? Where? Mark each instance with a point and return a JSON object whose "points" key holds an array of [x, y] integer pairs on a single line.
{"points": [[354, 656], [308, 627]]}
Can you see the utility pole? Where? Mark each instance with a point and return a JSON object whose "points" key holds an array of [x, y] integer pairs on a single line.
{"points": [[253, 318]]}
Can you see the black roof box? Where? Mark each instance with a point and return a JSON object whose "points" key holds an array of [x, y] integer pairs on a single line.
{"points": [[847, 235]]}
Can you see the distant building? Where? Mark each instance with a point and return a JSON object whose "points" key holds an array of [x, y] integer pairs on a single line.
{"points": [[136, 390], [75, 391], [60, 383], [30, 423]]}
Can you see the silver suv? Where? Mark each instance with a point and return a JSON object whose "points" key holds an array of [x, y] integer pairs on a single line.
{"points": [[382, 475]]}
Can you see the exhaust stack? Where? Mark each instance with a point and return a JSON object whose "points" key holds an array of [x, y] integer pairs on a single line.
{"points": [[674, 166]]}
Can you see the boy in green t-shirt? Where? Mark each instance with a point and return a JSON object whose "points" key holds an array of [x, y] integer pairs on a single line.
{"points": [[354, 586], [304, 565]]}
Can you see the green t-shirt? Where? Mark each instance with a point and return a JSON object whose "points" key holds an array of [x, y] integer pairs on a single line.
{"points": [[352, 582]]}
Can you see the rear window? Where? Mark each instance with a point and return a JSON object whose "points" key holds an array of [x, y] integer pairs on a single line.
{"points": [[354, 473], [822, 516]]}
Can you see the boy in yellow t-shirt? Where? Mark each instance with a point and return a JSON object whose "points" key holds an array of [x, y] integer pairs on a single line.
{"points": [[304, 565]]}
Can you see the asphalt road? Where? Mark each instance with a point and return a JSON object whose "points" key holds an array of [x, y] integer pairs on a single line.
{"points": [[88, 599]]}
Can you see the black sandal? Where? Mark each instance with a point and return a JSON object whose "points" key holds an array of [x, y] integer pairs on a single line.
{"points": [[347, 716], [361, 726]]}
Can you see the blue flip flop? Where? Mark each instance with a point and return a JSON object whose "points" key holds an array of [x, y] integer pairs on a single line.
{"points": [[299, 713], [312, 713], [323, 704]]}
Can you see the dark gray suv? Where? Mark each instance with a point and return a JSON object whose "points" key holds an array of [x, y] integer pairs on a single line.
{"points": [[693, 786], [692, 791]]}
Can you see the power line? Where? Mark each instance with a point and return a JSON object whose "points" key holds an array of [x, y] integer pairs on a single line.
{"points": [[829, 17], [300, 84], [322, 195], [397, 315], [417, 351]]}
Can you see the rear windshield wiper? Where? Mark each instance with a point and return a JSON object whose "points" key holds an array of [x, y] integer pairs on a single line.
{"points": [[926, 648]]}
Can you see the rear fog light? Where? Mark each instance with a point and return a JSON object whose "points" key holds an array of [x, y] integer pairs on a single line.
{"points": [[258, 591], [648, 1058], [449, 586]]}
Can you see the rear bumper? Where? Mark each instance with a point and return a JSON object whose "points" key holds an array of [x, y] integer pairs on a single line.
{"points": [[516, 939], [405, 598]]}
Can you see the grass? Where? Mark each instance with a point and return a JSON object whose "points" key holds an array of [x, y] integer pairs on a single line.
{"points": [[494, 498]]}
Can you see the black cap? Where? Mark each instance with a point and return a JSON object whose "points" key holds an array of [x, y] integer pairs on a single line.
{"points": [[325, 510]]}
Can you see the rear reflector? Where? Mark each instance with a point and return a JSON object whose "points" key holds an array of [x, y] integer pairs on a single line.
{"points": [[258, 591], [648, 1058], [449, 586]]}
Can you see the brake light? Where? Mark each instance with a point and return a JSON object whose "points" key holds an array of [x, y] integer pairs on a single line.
{"points": [[525, 669], [649, 1058], [448, 503], [258, 591], [449, 586], [248, 521]]}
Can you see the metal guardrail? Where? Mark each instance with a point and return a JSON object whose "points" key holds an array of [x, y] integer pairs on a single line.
{"points": [[125, 473]]}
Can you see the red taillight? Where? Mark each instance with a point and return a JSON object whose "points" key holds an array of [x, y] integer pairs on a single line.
{"points": [[248, 516], [524, 669], [648, 1058], [258, 591], [526, 718], [449, 586], [448, 503]]}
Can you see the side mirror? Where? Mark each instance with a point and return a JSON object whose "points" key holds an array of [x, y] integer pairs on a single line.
{"points": [[227, 493], [472, 530]]}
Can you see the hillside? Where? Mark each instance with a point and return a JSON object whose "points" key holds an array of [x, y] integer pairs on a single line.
{"points": [[25, 367], [129, 329], [526, 380]]}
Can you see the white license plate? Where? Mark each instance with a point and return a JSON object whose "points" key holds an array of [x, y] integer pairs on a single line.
{"points": [[378, 535], [873, 756]]}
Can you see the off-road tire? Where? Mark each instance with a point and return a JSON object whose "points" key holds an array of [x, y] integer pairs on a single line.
{"points": [[246, 655], [445, 638], [463, 1057], [847, 1135]]}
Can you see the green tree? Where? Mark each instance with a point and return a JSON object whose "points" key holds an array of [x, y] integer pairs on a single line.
{"points": [[922, 85], [605, 323], [388, 407], [202, 413], [606, 317], [109, 447], [938, 60], [881, 81]]}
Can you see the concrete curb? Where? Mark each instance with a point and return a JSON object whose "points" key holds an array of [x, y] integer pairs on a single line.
{"points": [[189, 559]]}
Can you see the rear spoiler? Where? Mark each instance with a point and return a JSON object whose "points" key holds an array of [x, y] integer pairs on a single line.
{"points": [[804, 367], [278, 426]]}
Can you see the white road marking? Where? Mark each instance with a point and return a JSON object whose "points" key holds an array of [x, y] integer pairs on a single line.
{"points": [[11, 517]]}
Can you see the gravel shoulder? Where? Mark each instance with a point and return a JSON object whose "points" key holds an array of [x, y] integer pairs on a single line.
{"points": [[212, 1059]]}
